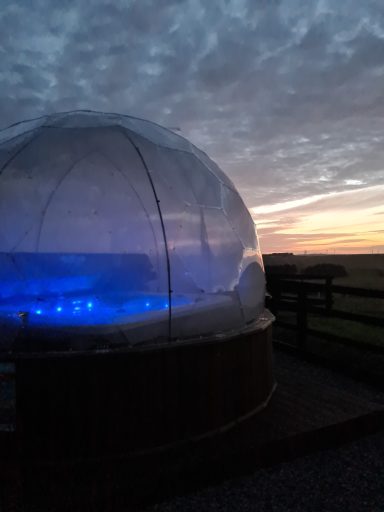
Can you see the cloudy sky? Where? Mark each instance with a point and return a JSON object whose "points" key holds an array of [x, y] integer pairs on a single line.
{"points": [[286, 95]]}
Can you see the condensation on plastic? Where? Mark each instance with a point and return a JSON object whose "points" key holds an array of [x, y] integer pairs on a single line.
{"points": [[114, 230]]}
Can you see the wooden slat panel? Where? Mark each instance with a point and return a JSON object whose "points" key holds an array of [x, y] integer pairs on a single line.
{"points": [[116, 404]]}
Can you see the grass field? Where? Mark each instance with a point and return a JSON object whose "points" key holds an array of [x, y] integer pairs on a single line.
{"points": [[364, 271]]}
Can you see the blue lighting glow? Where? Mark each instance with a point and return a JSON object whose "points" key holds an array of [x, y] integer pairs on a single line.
{"points": [[89, 311], [54, 290]]}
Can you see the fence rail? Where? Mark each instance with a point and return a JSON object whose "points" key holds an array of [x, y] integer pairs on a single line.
{"points": [[314, 295]]}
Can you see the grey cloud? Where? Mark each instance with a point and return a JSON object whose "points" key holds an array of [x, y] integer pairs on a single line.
{"points": [[247, 80]]}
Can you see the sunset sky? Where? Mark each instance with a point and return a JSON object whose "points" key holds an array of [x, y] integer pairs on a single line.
{"points": [[286, 95]]}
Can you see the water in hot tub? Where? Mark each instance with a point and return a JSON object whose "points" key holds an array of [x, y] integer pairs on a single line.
{"points": [[69, 290]]}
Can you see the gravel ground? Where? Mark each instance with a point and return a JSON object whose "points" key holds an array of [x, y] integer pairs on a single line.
{"points": [[314, 372], [350, 478]]}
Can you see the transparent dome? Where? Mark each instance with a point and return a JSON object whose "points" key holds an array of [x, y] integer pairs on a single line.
{"points": [[114, 230]]}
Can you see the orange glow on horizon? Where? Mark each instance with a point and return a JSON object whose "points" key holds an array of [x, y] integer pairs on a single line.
{"points": [[343, 222]]}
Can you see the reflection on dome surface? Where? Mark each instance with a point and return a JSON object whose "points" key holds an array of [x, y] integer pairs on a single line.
{"points": [[112, 224]]}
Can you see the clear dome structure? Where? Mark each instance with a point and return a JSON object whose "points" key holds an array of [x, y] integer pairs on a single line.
{"points": [[114, 230]]}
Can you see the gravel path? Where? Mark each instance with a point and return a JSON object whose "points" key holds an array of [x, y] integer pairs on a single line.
{"points": [[350, 478], [316, 373]]}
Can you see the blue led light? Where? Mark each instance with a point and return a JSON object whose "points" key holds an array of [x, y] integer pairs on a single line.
{"points": [[89, 310]]}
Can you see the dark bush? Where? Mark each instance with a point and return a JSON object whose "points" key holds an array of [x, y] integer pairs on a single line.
{"points": [[280, 269], [327, 269]]}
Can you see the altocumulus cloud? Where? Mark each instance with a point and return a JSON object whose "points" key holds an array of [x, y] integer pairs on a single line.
{"points": [[287, 96]]}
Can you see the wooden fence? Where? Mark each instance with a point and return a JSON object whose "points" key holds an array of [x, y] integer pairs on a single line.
{"points": [[309, 296]]}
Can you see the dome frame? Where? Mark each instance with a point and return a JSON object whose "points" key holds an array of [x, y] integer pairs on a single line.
{"points": [[68, 181]]}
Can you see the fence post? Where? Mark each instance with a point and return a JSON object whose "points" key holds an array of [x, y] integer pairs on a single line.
{"points": [[302, 320], [273, 297], [276, 297], [328, 294]]}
